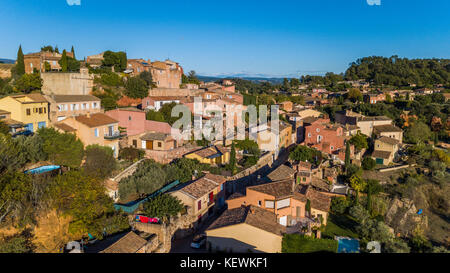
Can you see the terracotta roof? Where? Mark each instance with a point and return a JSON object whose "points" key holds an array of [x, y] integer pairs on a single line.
{"points": [[35, 97], [203, 186], [381, 154], [318, 200], [64, 127], [386, 128], [154, 136], [251, 215], [3, 112], [283, 172], [72, 98], [157, 126], [276, 189], [210, 152], [130, 243], [310, 120], [95, 120], [388, 140]]}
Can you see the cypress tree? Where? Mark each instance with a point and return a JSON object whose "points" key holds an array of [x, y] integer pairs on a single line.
{"points": [[73, 53], [20, 66], [63, 61], [347, 155], [232, 163], [308, 207]]}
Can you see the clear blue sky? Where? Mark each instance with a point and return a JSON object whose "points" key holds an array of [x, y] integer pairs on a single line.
{"points": [[221, 37]]}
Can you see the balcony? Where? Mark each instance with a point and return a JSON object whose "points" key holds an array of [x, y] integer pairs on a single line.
{"points": [[114, 135]]}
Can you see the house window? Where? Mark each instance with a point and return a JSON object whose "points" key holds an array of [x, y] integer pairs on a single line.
{"points": [[259, 203], [129, 118], [221, 187], [159, 145], [332, 148], [270, 204], [28, 111], [96, 132], [283, 203], [309, 134], [199, 204], [317, 130], [135, 143], [211, 196]]}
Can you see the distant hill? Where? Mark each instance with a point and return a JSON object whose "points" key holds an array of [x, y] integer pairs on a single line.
{"points": [[253, 79], [7, 61]]}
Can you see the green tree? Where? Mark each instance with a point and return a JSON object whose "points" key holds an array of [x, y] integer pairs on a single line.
{"points": [[163, 206], [357, 183], [73, 53], [136, 88], [347, 155], [308, 207], [417, 132], [20, 63], [47, 66], [4, 128], [355, 95], [368, 163], [100, 161], [304, 153], [84, 199], [359, 141], [62, 148], [28, 83], [18, 243], [63, 61], [155, 115], [148, 78], [14, 189], [232, 163]]}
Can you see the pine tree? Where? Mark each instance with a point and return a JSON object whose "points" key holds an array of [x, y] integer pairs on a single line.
{"points": [[347, 155], [73, 53], [63, 61], [20, 66]]}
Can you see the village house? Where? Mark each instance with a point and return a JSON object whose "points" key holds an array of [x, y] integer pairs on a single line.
{"points": [[92, 129], [324, 136], [131, 120], [137, 66], [268, 139], [156, 102], [281, 173], [287, 200], [30, 109], [203, 196], [166, 74], [14, 125], [213, 155], [246, 229], [125, 242], [374, 98], [385, 150], [95, 61], [64, 106], [37, 61], [365, 124], [157, 141], [390, 131]]}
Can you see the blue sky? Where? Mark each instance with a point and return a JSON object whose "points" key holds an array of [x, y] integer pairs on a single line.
{"points": [[273, 38]]}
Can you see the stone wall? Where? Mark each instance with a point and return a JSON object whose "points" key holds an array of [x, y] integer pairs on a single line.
{"points": [[59, 83], [176, 228]]}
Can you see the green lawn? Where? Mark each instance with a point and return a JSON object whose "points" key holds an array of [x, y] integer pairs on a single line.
{"points": [[295, 243], [340, 225]]}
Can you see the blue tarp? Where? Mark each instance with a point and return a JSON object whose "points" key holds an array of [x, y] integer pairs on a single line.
{"points": [[134, 205], [43, 169]]}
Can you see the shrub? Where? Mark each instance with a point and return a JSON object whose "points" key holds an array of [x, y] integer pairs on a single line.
{"points": [[368, 163], [131, 154]]}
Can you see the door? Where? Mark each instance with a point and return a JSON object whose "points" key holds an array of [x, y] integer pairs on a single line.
{"points": [[379, 161], [298, 212], [283, 220], [149, 145]]}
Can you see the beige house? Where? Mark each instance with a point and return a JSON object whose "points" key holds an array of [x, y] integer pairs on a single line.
{"points": [[363, 124], [385, 149], [93, 129], [64, 106], [156, 141], [246, 229], [202, 195], [30, 110], [390, 131]]}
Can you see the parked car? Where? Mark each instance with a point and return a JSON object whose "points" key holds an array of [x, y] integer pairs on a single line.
{"points": [[199, 241]]}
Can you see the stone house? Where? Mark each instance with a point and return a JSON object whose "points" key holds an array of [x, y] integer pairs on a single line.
{"points": [[64, 106], [390, 131], [287, 200], [246, 229], [37, 61], [203, 196], [92, 129]]}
